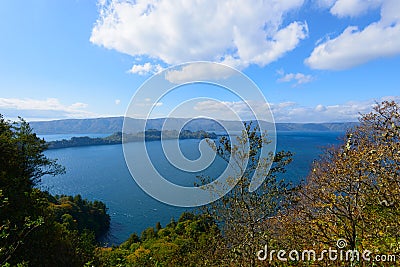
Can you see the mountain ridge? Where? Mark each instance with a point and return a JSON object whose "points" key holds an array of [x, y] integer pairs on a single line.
{"points": [[110, 125]]}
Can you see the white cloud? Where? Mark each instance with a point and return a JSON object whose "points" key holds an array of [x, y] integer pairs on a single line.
{"points": [[77, 105], [145, 68], [320, 108], [148, 104], [199, 72], [223, 109], [299, 78], [354, 46], [391, 98], [50, 108], [342, 112], [238, 33], [291, 111], [353, 8], [117, 101]]}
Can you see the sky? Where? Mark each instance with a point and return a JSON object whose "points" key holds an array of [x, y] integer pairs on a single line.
{"points": [[313, 61]]}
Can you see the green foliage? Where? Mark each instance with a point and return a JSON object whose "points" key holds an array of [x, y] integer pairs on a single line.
{"points": [[186, 243], [242, 214], [80, 214], [352, 192], [34, 229], [22, 164], [118, 137]]}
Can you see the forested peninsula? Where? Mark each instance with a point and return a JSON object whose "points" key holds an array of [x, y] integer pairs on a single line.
{"points": [[118, 137]]}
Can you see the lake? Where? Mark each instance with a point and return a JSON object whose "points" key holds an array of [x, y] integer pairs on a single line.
{"points": [[100, 173]]}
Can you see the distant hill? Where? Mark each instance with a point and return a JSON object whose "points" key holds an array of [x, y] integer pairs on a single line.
{"points": [[78, 126], [314, 127], [114, 124]]}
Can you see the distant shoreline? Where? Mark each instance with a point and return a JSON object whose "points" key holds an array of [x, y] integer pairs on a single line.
{"points": [[115, 124], [118, 138]]}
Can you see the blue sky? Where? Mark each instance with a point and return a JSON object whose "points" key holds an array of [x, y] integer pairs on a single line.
{"points": [[314, 61]]}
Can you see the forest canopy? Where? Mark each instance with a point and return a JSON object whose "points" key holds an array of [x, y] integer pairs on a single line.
{"points": [[351, 195], [37, 229]]}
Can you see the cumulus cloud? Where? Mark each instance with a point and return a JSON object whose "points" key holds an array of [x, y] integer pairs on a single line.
{"points": [[293, 112], [50, 108], [357, 46], [237, 33], [320, 108], [147, 103], [145, 68], [223, 109], [198, 72], [341, 112], [298, 78], [353, 8]]}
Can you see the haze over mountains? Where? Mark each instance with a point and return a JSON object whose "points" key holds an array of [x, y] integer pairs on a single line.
{"points": [[114, 124]]}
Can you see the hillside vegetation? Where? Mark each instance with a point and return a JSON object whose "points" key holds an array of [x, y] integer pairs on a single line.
{"points": [[37, 229], [349, 205], [118, 138], [346, 213], [114, 124]]}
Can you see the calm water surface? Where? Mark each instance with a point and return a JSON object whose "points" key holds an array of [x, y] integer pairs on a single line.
{"points": [[100, 173]]}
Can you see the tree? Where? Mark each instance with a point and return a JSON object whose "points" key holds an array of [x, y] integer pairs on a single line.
{"points": [[36, 229], [353, 190], [242, 214], [22, 163], [185, 243]]}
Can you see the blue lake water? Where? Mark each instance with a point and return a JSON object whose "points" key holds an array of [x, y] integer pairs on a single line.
{"points": [[100, 173]]}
